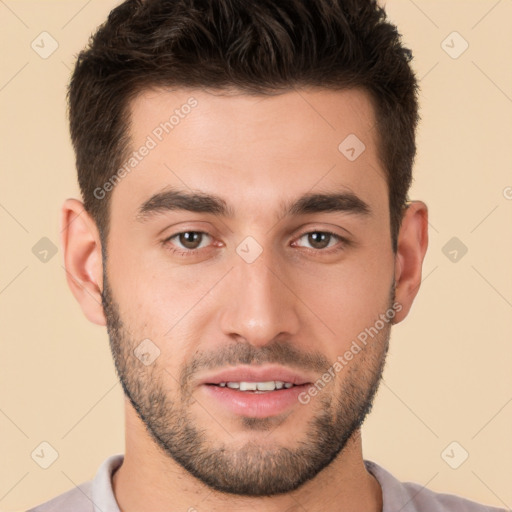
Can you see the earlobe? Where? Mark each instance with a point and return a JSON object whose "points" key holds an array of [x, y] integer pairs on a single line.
{"points": [[83, 264], [411, 250]]}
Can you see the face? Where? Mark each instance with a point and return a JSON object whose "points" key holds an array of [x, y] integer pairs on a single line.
{"points": [[251, 277]]}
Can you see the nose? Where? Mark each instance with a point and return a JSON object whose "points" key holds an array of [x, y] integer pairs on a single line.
{"points": [[259, 301]]}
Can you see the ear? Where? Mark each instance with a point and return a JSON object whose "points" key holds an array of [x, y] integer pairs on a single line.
{"points": [[81, 246], [411, 249]]}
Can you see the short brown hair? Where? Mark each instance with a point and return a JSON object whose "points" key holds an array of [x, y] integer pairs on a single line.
{"points": [[262, 47]]}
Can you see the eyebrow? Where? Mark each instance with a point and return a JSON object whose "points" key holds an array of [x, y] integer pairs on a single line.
{"points": [[172, 199]]}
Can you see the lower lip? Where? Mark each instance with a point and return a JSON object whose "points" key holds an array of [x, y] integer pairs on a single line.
{"points": [[256, 405]]}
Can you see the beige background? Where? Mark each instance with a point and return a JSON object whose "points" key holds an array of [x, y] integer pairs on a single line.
{"points": [[448, 374]]}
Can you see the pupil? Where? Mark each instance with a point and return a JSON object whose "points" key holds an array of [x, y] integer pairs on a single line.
{"points": [[315, 236], [186, 239]]}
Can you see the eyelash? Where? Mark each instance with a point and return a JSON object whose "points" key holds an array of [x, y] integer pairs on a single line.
{"points": [[191, 252]]}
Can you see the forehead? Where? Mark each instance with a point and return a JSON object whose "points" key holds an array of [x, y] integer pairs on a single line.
{"points": [[252, 150]]}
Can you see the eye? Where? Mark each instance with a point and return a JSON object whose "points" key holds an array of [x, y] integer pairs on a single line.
{"points": [[190, 241], [321, 240]]}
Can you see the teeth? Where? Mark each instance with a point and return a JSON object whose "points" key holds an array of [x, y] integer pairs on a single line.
{"points": [[253, 386], [270, 385]]}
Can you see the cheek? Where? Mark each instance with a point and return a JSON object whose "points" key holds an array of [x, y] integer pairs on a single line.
{"points": [[170, 308], [348, 298]]}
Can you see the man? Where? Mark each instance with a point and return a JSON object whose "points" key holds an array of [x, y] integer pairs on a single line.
{"points": [[248, 242]]}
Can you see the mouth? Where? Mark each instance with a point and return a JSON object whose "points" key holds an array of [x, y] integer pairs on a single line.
{"points": [[257, 387], [255, 392], [266, 378]]}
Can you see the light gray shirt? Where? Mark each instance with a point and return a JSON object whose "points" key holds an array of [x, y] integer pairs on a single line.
{"points": [[97, 495]]}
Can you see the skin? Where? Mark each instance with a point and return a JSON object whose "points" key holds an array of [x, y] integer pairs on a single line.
{"points": [[295, 304]]}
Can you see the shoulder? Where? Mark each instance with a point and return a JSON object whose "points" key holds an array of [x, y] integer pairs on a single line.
{"points": [[413, 497], [77, 499], [425, 499], [94, 495]]}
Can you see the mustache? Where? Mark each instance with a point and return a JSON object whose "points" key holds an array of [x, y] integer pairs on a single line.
{"points": [[276, 352]]}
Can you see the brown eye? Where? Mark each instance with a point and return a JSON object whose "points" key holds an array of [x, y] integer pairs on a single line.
{"points": [[186, 242], [321, 240], [189, 239]]}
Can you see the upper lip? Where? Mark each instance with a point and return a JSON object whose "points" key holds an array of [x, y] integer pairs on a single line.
{"points": [[257, 374]]}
